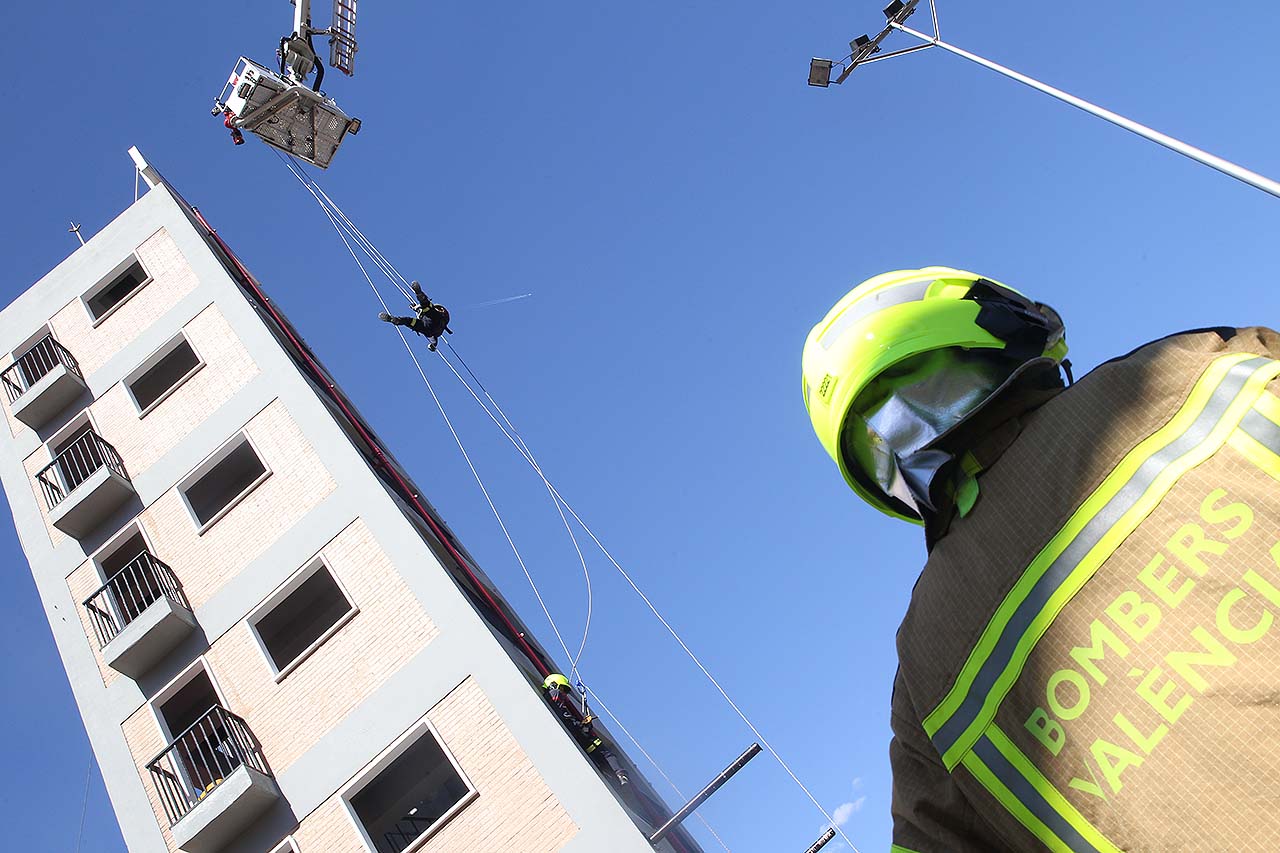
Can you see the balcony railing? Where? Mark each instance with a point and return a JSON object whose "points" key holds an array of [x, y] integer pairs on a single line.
{"points": [[197, 762], [74, 465], [130, 591], [29, 367]]}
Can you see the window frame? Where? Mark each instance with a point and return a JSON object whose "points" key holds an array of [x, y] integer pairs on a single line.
{"points": [[224, 450], [179, 681], [279, 594], [109, 548], [107, 280], [397, 748], [167, 349]]}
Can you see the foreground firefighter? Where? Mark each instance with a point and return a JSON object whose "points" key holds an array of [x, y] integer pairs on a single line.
{"points": [[1088, 660]]}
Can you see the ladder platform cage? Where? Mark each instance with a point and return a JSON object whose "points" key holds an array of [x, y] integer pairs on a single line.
{"points": [[291, 117]]}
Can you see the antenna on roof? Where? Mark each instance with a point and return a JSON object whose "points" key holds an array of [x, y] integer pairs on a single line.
{"points": [[75, 229]]}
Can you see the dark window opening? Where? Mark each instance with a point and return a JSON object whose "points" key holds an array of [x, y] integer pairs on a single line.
{"points": [[204, 751], [157, 380], [302, 617], [133, 582], [117, 291], [224, 482], [409, 796], [78, 456]]}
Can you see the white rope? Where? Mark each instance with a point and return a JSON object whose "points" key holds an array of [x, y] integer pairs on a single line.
{"points": [[560, 500], [476, 474], [389, 270], [658, 615], [555, 499], [603, 707]]}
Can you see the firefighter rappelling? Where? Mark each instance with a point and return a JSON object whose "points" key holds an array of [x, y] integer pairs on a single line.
{"points": [[431, 319], [281, 108]]}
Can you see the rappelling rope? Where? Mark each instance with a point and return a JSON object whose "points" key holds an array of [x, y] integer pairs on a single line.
{"points": [[583, 689], [653, 609], [448, 422], [555, 497], [392, 273], [337, 216], [603, 707]]}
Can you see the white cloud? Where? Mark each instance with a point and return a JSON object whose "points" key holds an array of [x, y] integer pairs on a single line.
{"points": [[844, 811]]}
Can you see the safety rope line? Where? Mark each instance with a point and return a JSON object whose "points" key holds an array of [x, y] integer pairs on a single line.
{"points": [[389, 270], [448, 422], [658, 615], [555, 498], [603, 707], [307, 182]]}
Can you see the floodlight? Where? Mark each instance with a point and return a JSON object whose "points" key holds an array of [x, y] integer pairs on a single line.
{"points": [[898, 11], [820, 72]]}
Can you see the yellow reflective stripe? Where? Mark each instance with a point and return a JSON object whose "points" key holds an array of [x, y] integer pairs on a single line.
{"points": [[1255, 453], [1049, 792], [1012, 804], [1219, 400], [1269, 405], [898, 848]]}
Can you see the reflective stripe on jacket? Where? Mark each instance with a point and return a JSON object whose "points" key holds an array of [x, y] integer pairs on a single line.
{"points": [[1089, 661]]}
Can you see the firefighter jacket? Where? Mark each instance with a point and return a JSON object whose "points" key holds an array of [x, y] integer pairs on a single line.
{"points": [[1091, 659]]}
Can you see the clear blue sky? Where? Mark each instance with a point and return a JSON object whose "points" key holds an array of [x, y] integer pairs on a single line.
{"points": [[683, 208]]}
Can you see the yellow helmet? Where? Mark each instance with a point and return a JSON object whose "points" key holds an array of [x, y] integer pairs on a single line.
{"points": [[897, 316], [557, 681]]}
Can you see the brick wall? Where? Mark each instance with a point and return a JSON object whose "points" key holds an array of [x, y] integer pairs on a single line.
{"points": [[390, 628], [298, 483], [142, 441], [93, 346], [515, 810]]}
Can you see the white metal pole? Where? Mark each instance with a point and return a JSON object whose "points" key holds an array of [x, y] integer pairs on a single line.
{"points": [[1225, 166]]}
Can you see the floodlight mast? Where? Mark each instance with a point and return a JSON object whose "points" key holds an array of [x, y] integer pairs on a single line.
{"points": [[897, 21]]}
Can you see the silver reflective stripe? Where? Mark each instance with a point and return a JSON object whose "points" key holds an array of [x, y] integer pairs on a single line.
{"points": [[878, 301], [1262, 429], [1002, 656], [1032, 799]]}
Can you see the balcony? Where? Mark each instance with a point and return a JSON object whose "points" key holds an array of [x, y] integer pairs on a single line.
{"points": [[84, 484], [213, 782], [42, 382], [139, 615]]}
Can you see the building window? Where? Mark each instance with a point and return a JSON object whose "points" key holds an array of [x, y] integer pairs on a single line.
{"points": [[306, 611], [162, 373], [124, 281], [409, 794], [222, 480]]}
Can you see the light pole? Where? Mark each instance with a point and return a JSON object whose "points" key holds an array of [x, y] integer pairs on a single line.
{"points": [[866, 49]]}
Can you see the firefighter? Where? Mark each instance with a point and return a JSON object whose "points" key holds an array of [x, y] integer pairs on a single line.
{"points": [[582, 725], [1088, 659], [430, 319]]}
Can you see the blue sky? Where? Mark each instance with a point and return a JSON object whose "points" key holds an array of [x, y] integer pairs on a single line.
{"points": [[683, 209]]}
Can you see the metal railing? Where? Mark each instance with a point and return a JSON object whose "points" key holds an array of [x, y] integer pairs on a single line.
{"points": [[198, 760], [29, 367], [130, 591], [74, 465]]}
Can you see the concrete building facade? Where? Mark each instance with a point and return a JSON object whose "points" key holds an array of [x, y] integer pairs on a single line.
{"points": [[274, 642]]}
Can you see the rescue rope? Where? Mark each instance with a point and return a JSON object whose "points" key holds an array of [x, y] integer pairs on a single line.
{"points": [[603, 707], [389, 270], [448, 422], [335, 216]]}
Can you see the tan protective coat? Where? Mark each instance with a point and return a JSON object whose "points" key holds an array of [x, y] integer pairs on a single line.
{"points": [[1150, 703]]}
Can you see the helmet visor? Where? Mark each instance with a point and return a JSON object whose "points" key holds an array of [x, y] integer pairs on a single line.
{"points": [[906, 409]]}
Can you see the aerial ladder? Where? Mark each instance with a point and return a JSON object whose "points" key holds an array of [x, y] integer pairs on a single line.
{"points": [[281, 107]]}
